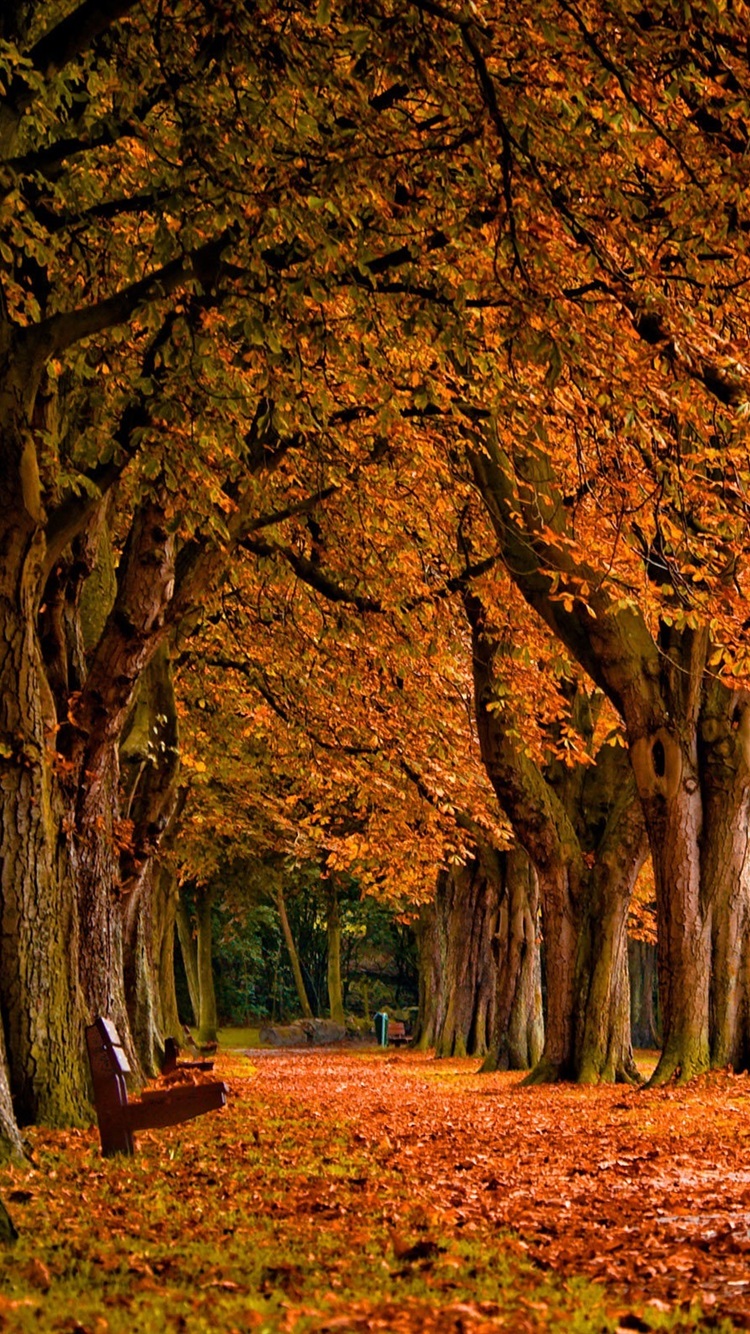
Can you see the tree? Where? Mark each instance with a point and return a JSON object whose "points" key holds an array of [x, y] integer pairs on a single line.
{"points": [[609, 371], [480, 971], [165, 343]]}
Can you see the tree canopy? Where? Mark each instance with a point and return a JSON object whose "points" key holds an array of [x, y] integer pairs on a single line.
{"points": [[318, 321]]}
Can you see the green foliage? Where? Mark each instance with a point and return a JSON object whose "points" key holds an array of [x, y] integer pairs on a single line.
{"points": [[252, 974]]}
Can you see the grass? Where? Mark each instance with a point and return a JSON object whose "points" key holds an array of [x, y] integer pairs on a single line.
{"points": [[234, 1038]]}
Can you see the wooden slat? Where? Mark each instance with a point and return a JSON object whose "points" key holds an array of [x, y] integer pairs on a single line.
{"points": [[118, 1118], [110, 1092], [170, 1107]]}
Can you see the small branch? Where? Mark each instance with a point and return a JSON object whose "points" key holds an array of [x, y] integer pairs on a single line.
{"points": [[53, 335], [64, 42]]}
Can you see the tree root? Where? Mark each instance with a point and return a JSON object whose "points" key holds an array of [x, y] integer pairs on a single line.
{"points": [[545, 1072], [550, 1072], [675, 1067]]}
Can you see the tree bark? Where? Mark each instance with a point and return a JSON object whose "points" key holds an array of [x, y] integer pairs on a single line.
{"points": [[189, 956], [166, 896], [333, 972], [603, 1024], [663, 692], [431, 998], [42, 1013], [208, 1019], [466, 903], [644, 1024], [585, 876], [517, 1031], [299, 981], [149, 762], [131, 637], [725, 869], [480, 988]]}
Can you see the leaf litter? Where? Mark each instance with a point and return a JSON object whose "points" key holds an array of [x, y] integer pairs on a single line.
{"points": [[358, 1190]]}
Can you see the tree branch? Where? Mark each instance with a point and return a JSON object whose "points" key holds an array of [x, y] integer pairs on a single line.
{"points": [[62, 43], [53, 335]]}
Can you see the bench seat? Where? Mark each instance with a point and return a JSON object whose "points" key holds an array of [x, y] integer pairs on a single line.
{"points": [[118, 1117]]}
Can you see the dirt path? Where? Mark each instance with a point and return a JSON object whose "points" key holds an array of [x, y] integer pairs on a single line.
{"points": [[647, 1192]]}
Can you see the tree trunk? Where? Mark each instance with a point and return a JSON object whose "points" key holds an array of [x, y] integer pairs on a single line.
{"points": [[299, 981], [480, 988], [582, 828], [166, 895], [644, 1025], [685, 732], [431, 997], [42, 1014], [517, 1036], [333, 931], [725, 866], [149, 762], [8, 1233], [207, 1020], [189, 956], [133, 633], [603, 1022], [466, 902]]}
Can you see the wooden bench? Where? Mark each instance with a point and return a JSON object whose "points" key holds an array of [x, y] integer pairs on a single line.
{"points": [[397, 1033], [172, 1061], [192, 1045], [118, 1117]]}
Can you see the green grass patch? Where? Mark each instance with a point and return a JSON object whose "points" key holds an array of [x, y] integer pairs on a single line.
{"points": [[233, 1038]]}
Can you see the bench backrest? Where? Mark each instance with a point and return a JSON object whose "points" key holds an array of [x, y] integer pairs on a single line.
{"points": [[109, 1066]]}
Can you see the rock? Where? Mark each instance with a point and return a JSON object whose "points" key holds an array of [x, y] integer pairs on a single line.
{"points": [[303, 1033]]}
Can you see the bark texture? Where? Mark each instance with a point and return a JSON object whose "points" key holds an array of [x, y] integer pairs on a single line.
{"points": [[41, 1005], [644, 1021], [687, 735], [480, 980], [149, 764], [517, 1030], [583, 830]]}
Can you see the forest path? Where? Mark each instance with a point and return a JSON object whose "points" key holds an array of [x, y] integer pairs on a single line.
{"points": [[645, 1191], [357, 1190]]}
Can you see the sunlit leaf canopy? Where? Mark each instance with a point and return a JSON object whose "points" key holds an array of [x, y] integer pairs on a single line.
{"points": [[404, 208], [304, 243], [344, 731]]}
